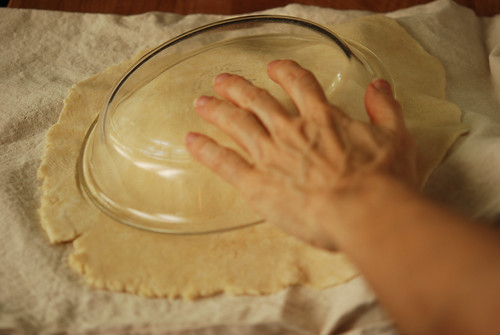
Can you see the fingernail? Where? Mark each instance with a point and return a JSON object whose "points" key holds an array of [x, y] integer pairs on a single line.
{"points": [[191, 137], [201, 101], [221, 77], [274, 62], [383, 86]]}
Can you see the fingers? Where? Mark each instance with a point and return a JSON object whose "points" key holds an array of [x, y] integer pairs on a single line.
{"points": [[381, 106], [302, 87], [248, 97], [240, 125], [223, 161]]}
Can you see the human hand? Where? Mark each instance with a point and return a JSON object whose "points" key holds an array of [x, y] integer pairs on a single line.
{"points": [[298, 168]]}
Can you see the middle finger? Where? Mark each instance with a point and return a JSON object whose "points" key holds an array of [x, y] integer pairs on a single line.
{"points": [[240, 125], [256, 100], [303, 88]]}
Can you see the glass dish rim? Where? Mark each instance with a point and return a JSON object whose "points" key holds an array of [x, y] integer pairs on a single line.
{"points": [[108, 210]]}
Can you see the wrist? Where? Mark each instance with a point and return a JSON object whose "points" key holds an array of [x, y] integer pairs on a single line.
{"points": [[361, 205]]}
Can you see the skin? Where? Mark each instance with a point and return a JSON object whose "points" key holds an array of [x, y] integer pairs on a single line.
{"points": [[342, 184]]}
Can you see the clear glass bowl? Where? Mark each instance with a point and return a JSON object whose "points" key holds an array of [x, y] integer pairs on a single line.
{"points": [[133, 164]]}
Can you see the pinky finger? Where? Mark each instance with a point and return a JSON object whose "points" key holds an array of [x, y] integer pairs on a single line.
{"points": [[223, 161]]}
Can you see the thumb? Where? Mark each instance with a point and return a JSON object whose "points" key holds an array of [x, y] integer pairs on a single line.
{"points": [[382, 107]]}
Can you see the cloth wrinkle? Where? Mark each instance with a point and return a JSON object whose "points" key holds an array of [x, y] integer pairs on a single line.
{"points": [[46, 52]]}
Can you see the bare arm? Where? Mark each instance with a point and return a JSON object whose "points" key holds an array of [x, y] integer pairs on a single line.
{"points": [[339, 183], [435, 272]]}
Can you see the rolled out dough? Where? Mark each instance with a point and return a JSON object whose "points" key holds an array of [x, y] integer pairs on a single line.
{"points": [[250, 261]]}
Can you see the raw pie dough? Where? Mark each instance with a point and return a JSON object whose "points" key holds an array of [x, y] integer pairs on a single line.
{"points": [[251, 261]]}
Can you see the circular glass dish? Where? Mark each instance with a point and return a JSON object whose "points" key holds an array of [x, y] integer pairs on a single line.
{"points": [[134, 165]]}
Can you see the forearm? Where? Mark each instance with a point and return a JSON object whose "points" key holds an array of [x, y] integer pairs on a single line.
{"points": [[434, 271]]}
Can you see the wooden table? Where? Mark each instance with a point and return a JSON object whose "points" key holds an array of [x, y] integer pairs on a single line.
{"points": [[125, 7]]}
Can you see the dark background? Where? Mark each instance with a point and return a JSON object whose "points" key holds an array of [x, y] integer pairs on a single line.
{"points": [[124, 7]]}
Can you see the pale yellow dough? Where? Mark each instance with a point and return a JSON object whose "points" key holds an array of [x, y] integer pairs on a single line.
{"points": [[252, 261]]}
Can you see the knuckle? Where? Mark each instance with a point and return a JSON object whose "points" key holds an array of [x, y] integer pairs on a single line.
{"points": [[327, 114], [284, 125], [298, 75], [214, 105], [202, 149], [230, 117], [207, 110], [254, 94], [236, 119], [263, 154], [217, 159]]}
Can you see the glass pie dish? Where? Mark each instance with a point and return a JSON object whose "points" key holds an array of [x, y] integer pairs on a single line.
{"points": [[133, 164]]}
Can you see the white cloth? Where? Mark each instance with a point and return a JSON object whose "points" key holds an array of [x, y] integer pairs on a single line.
{"points": [[44, 53]]}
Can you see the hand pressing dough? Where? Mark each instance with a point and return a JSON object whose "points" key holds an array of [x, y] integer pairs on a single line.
{"points": [[143, 141], [251, 261]]}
